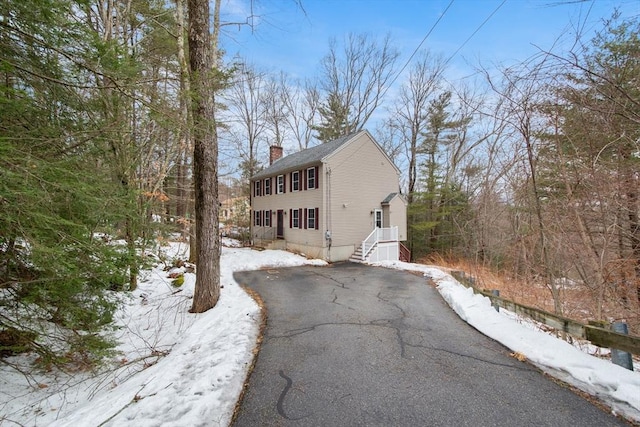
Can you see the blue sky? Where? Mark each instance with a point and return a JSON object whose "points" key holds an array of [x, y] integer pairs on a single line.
{"points": [[290, 39]]}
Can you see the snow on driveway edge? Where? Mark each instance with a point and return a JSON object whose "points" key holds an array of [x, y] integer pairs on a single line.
{"points": [[616, 386]]}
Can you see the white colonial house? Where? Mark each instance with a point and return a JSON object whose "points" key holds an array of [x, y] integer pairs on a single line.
{"points": [[335, 201]]}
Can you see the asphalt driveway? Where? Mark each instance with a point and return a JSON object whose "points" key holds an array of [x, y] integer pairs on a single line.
{"points": [[354, 345]]}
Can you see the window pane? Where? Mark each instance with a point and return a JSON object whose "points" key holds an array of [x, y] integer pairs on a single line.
{"points": [[311, 218], [280, 189], [311, 178], [295, 180]]}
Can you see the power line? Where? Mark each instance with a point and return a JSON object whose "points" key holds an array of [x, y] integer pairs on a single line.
{"points": [[415, 51], [477, 29], [421, 43]]}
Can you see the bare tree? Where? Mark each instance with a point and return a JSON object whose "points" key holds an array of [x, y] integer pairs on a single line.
{"points": [[247, 116], [521, 93], [301, 103], [409, 114], [183, 190], [389, 138], [202, 58], [275, 108], [358, 76], [489, 235]]}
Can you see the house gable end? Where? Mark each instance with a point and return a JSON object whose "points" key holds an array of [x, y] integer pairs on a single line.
{"points": [[372, 140]]}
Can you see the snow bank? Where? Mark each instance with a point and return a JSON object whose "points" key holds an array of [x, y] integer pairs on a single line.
{"points": [[174, 368], [618, 387]]}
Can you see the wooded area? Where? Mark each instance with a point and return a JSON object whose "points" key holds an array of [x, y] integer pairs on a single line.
{"points": [[109, 118]]}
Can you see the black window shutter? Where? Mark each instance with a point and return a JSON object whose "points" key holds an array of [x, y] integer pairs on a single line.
{"points": [[317, 220], [290, 218], [315, 172], [305, 178], [305, 219]]}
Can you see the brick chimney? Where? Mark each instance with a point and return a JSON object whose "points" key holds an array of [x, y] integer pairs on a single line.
{"points": [[275, 153]]}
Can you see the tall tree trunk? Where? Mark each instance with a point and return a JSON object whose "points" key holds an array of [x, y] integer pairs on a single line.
{"points": [[413, 174], [546, 260], [183, 187], [634, 225], [594, 255], [205, 154]]}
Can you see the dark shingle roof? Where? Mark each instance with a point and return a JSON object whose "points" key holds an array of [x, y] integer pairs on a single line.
{"points": [[389, 198], [304, 157], [392, 196]]}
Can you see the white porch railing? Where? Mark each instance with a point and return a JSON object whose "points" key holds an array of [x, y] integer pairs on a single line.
{"points": [[389, 234]]}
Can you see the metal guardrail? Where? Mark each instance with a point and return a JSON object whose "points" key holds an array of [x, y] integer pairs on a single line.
{"points": [[595, 334]]}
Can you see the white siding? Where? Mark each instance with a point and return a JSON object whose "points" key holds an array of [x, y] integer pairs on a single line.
{"points": [[396, 215], [303, 199], [353, 181], [359, 177]]}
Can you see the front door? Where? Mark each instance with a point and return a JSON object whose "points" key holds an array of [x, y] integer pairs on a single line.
{"points": [[280, 227]]}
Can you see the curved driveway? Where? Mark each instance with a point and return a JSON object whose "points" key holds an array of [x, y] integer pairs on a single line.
{"points": [[354, 345]]}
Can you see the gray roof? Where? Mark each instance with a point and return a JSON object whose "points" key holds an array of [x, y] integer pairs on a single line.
{"points": [[392, 196], [305, 157], [389, 198]]}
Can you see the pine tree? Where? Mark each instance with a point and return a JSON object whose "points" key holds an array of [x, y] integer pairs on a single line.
{"points": [[335, 119], [55, 191], [437, 209]]}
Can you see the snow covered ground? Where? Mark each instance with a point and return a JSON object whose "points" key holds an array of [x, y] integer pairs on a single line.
{"points": [[181, 369], [618, 387]]}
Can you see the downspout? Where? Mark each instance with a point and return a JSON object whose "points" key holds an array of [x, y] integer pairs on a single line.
{"points": [[327, 209]]}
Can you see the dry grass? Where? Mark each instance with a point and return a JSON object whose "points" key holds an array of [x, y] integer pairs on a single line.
{"points": [[578, 302]]}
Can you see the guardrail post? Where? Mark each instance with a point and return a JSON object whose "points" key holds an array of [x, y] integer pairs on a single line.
{"points": [[619, 357], [495, 292]]}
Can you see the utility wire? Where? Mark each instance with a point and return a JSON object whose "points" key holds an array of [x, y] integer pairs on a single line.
{"points": [[474, 33], [415, 51], [421, 43]]}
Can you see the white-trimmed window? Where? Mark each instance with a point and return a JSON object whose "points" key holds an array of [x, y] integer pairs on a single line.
{"points": [[295, 181], [267, 218], [295, 218], [258, 218], [257, 188], [311, 218], [311, 178], [267, 186], [280, 186]]}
